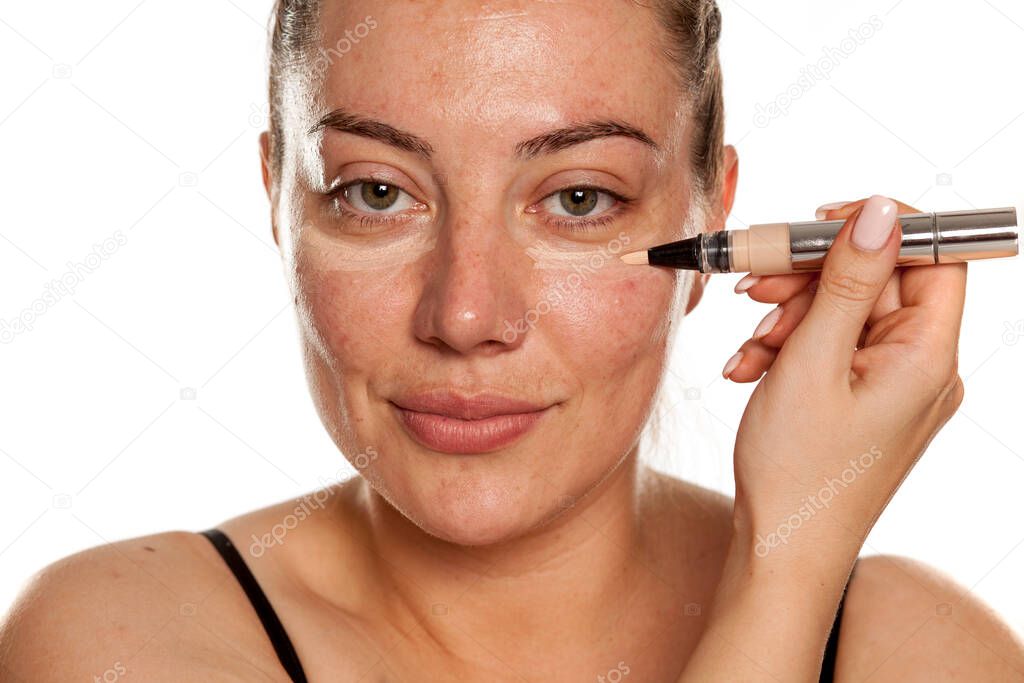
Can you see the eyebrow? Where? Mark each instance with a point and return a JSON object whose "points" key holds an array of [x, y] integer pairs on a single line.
{"points": [[545, 143], [562, 138], [347, 122]]}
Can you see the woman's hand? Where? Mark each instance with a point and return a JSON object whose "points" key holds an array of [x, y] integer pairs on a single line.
{"points": [[862, 372]]}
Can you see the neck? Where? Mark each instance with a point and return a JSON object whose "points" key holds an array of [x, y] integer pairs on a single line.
{"points": [[555, 587]]}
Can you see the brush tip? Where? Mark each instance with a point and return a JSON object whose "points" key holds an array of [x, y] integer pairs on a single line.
{"points": [[636, 258]]}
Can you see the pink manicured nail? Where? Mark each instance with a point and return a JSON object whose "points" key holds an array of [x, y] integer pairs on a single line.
{"points": [[819, 213], [875, 223], [732, 364], [766, 324], [746, 282]]}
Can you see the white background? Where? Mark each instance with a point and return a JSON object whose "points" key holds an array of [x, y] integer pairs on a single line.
{"points": [[143, 117]]}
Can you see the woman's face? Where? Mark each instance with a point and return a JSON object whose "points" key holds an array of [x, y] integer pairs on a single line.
{"points": [[438, 258]]}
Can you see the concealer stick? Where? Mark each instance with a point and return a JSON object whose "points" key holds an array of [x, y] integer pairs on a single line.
{"points": [[777, 248]]}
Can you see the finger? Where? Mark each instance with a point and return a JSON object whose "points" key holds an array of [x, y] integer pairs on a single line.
{"points": [[889, 300], [779, 288], [754, 359], [775, 328], [796, 308], [846, 210], [773, 289], [857, 267], [838, 211], [939, 290], [795, 302]]}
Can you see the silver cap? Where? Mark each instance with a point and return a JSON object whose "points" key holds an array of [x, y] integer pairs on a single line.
{"points": [[976, 234]]}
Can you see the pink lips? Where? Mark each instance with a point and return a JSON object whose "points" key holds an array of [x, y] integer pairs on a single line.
{"points": [[447, 422]]}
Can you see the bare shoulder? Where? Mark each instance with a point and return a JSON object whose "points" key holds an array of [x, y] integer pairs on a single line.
{"points": [[904, 620], [156, 608]]}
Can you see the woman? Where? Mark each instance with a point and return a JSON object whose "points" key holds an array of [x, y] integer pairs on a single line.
{"points": [[441, 177]]}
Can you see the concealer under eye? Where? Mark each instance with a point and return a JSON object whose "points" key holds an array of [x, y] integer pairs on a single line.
{"points": [[367, 224]]}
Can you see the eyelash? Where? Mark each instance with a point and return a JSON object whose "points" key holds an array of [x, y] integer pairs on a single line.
{"points": [[589, 223], [364, 220], [571, 224]]}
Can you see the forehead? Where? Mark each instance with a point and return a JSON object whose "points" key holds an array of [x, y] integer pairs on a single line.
{"points": [[504, 68]]}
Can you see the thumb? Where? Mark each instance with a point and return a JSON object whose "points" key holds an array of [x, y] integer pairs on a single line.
{"points": [[857, 267]]}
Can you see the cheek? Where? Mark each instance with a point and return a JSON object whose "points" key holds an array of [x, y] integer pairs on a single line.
{"points": [[607, 325], [355, 316]]}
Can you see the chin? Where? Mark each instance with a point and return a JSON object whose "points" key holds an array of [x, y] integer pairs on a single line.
{"points": [[473, 509]]}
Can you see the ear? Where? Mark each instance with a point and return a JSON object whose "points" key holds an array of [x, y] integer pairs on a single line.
{"points": [[731, 169], [696, 291], [268, 180]]}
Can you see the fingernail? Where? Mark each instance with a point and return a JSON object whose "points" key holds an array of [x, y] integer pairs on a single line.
{"points": [[768, 323], [746, 282], [875, 223], [819, 213], [732, 364]]}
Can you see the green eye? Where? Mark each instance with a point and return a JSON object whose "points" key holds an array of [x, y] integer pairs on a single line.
{"points": [[578, 201], [376, 196], [369, 201]]}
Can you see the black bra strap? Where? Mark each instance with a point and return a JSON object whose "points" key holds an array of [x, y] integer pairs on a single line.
{"points": [[828, 665], [271, 624]]}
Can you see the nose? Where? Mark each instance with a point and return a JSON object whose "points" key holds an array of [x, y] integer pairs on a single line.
{"points": [[474, 288]]}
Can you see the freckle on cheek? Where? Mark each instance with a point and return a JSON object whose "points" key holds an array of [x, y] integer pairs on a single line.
{"points": [[350, 309], [623, 309]]}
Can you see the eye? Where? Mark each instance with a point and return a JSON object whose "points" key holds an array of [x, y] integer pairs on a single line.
{"points": [[578, 202], [372, 196]]}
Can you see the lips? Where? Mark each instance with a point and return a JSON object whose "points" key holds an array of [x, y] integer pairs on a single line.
{"points": [[448, 422]]}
